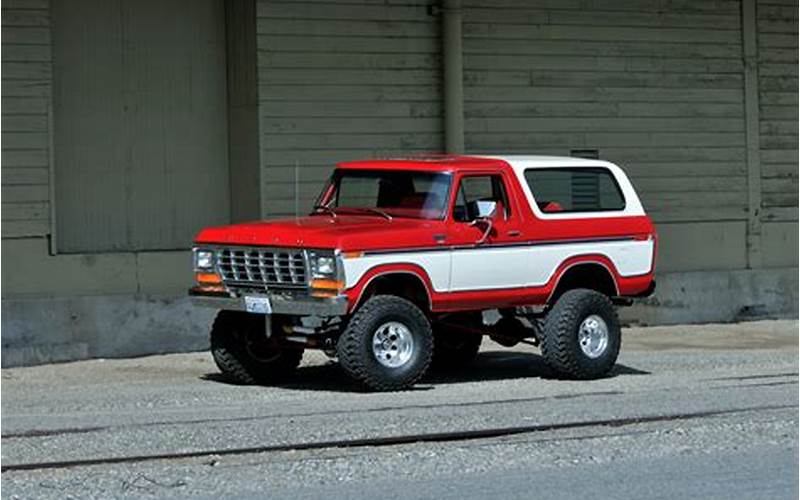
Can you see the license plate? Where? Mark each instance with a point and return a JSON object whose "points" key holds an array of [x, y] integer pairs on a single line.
{"points": [[258, 305]]}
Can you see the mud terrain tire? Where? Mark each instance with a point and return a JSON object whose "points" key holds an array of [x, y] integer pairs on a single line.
{"points": [[574, 330], [407, 342], [244, 355]]}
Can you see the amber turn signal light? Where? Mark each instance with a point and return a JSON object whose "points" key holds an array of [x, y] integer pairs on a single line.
{"points": [[213, 278], [326, 288], [324, 284]]}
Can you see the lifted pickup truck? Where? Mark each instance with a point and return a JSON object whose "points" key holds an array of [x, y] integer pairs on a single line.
{"points": [[393, 269]]}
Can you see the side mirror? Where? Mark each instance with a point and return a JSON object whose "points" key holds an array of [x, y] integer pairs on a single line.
{"points": [[482, 213], [482, 209]]}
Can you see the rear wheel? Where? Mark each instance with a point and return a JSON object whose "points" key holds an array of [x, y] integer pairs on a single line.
{"points": [[244, 354], [387, 344], [581, 337]]}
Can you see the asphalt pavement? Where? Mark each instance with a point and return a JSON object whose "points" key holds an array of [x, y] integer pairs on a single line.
{"points": [[690, 411]]}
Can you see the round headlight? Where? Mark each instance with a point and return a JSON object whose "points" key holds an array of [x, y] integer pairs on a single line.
{"points": [[204, 259]]}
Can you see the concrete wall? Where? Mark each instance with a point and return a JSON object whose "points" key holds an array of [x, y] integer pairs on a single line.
{"points": [[717, 296], [659, 86], [56, 308]]}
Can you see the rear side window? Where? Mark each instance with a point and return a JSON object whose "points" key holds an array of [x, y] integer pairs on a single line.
{"points": [[584, 189]]}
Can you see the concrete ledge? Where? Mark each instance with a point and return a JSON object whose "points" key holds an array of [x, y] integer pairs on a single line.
{"points": [[45, 330], [41, 354], [718, 297]]}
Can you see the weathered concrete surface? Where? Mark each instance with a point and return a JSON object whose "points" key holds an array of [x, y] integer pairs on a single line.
{"points": [[718, 296], [39, 331], [173, 403], [78, 306]]}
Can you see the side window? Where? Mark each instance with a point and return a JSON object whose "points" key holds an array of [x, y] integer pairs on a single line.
{"points": [[574, 189], [480, 188]]}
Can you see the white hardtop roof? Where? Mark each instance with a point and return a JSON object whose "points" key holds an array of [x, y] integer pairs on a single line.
{"points": [[538, 161], [521, 163]]}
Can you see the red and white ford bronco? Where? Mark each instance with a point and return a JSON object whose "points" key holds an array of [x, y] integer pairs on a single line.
{"points": [[393, 269]]}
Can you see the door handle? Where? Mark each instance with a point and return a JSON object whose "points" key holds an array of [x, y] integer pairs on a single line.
{"points": [[439, 238], [514, 232]]}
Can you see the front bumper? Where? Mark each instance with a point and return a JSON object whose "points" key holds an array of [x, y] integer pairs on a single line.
{"points": [[293, 306]]}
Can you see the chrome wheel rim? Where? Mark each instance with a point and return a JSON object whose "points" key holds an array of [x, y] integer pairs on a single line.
{"points": [[392, 344], [593, 336]]}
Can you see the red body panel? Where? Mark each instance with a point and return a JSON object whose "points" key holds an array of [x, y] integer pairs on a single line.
{"points": [[349, 233]]}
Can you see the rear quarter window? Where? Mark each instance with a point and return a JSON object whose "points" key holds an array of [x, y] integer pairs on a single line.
{"points": [[576, 189]]}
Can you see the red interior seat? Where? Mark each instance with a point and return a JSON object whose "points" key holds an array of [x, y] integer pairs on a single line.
{"points": [[552, 206]]}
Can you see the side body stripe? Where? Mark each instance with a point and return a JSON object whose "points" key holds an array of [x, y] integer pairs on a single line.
{"points": [[504, 275]]}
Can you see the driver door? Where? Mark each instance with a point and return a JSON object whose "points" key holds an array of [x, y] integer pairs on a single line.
{"points": [[497, 262]]}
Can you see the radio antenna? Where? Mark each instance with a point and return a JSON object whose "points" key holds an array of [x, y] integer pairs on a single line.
{"points": [[296, 189]]}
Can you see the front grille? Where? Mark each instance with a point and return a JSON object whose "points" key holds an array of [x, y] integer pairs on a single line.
{"points": [[261, 268]]}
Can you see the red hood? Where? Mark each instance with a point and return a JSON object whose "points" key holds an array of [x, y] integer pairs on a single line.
{"points": [[345, 232]]}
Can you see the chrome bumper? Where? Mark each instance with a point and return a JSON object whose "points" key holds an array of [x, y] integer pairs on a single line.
{"points": [[305, 306]]}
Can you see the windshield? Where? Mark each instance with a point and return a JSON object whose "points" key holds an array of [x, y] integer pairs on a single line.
{"points": [[419, 195]]}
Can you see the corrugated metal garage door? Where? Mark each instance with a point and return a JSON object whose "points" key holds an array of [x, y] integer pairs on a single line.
{"points": [[140, 123], [340, 81]]}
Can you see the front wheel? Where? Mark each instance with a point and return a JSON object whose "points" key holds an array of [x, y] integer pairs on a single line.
{"points": [[581, 337], [387, 344], [244, 354]]}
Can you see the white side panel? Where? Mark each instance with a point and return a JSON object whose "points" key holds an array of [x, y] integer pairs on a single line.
{"points": [[436, 264], [509, 267], [631, 258], [486, 268]]}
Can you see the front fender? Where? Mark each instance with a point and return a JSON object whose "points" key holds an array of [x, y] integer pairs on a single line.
{"points": [[355, 293]]}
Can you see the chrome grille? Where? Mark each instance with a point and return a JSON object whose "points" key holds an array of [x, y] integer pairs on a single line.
{"points": [[260, 268]]}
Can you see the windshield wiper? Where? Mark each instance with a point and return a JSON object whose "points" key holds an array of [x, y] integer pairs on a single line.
{"points": [[376, 211], [325, 208]]}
